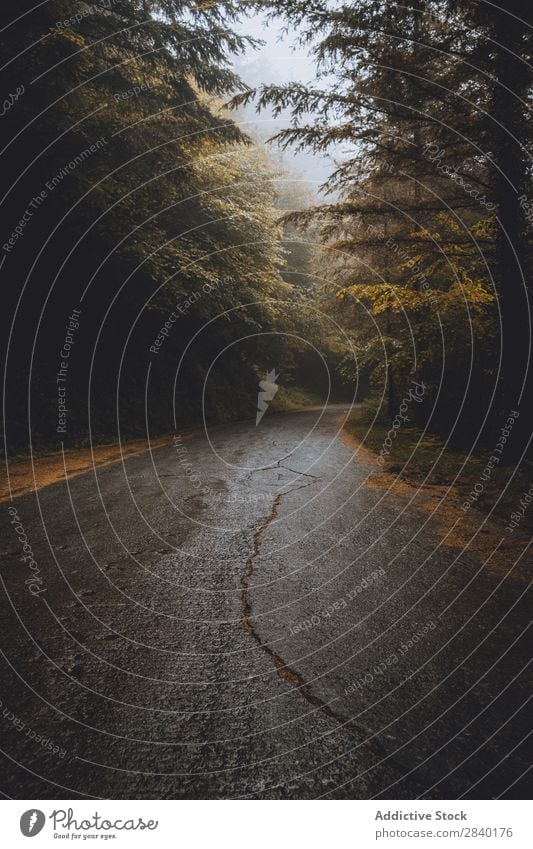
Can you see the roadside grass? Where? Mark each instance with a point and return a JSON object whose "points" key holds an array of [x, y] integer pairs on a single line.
{"points": [[416, 456]]}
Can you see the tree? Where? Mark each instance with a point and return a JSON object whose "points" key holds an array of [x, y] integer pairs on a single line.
{"points": [[152, 202], [404, 89]]}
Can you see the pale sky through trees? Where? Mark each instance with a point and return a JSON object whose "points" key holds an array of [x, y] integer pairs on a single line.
{"points": [[280, 60]]}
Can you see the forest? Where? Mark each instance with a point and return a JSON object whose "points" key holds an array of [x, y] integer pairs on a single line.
{"points": [[267, 406], [172, 250]]}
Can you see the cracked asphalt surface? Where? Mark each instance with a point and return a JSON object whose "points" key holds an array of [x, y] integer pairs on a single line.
{"points": [[239, 614]]}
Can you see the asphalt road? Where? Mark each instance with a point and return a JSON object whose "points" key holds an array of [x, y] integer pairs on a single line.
{"points": [[243, 614]]}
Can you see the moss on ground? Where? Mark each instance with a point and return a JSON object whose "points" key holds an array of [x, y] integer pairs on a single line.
{"points": [[419, 456]]}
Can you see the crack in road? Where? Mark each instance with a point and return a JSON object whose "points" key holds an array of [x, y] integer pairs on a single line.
{"points": [[285, 672], [283, 669]]}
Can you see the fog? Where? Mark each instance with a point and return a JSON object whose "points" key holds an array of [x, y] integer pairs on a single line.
{"points": [[281, 59]]}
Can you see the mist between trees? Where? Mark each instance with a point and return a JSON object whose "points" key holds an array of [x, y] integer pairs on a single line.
{"points": [[429, 102], [180, 198]]}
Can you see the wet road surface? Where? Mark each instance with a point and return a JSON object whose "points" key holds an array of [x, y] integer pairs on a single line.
{"points": [[242, 614]]}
